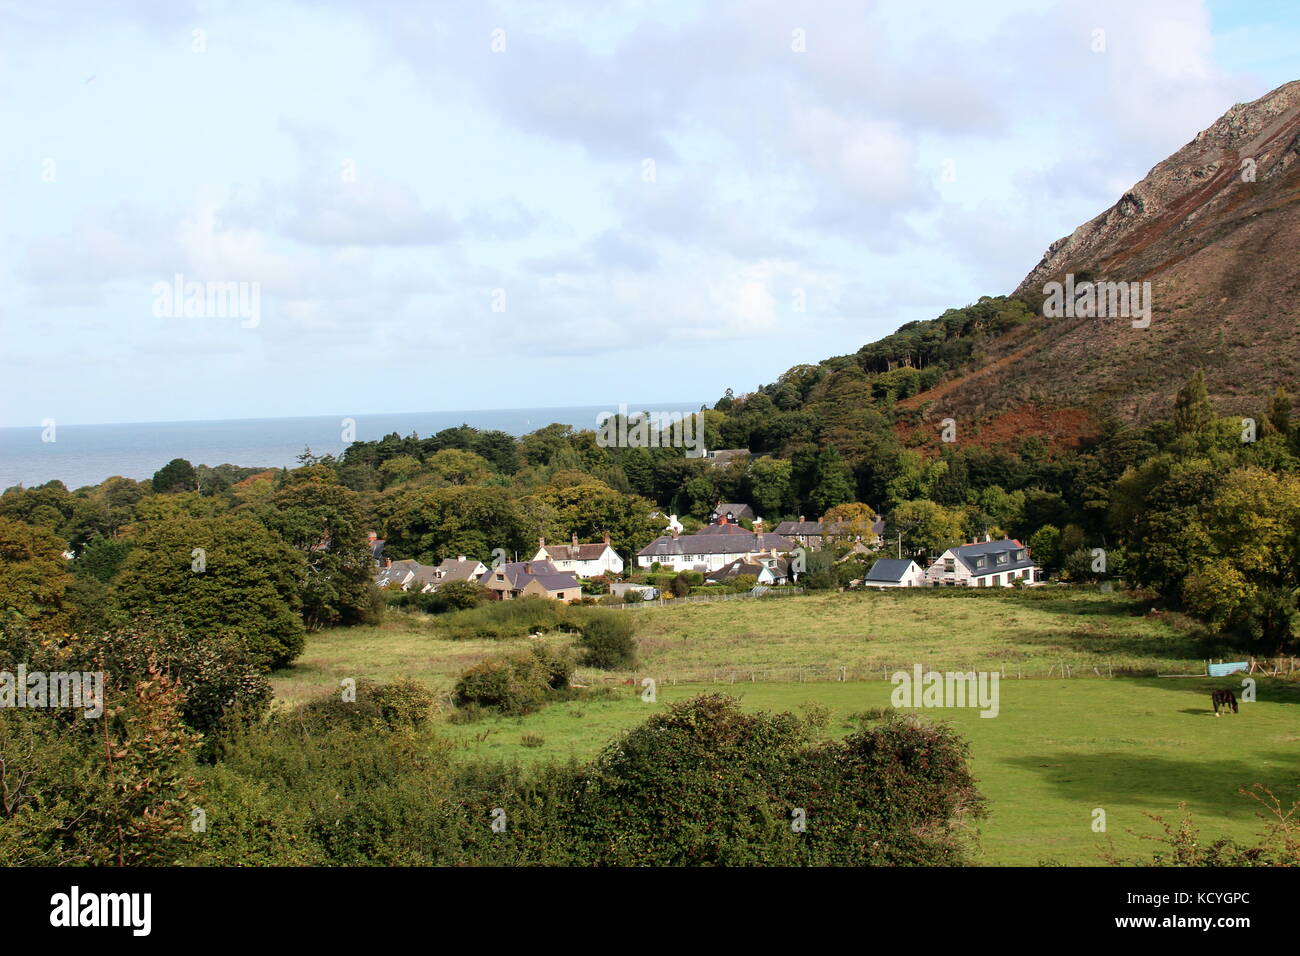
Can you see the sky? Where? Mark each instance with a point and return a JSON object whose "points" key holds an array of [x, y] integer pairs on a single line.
{"points": [[448, 205]]}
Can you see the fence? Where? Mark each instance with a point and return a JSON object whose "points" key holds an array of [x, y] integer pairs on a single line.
{"points": [[750, 674]]}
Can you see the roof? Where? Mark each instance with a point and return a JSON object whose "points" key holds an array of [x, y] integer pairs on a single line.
{"points": [[712, 543], [889, 569], [452, 569], [543, 572], [969, 555], [736, 509], [568, 552], [779, 568]]}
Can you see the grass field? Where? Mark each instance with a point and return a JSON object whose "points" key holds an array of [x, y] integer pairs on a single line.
{"points": [[1058, 749], [807, 637]]}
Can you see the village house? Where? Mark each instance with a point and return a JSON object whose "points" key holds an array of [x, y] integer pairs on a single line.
{"points": [[406, 574], [983, 564], [584, 560], [711, 548], [895, 573], [766, 569], [459, 569], [814, 534], [520, 579], [733, 512]]}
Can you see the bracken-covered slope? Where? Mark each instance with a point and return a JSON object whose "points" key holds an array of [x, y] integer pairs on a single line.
{"points": [[1215, 228]]}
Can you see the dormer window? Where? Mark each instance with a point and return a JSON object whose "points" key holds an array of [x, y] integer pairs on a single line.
{"points": [[1002, 558]]}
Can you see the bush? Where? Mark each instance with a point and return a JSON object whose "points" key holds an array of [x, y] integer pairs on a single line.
{"points": [[393, 706], [607, 641], [505, 619], [515, 684]]}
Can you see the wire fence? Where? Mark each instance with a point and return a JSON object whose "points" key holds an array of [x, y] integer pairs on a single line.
{"points": [[1286, 667], [707, 598]]}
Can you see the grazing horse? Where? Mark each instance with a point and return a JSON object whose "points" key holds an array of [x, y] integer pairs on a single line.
{"points": [[1224, 699]]}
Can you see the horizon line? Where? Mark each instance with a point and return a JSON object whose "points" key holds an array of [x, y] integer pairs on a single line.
{"points": [[435, 411]]}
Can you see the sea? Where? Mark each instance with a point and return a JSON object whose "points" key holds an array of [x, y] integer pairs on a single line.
{"points": [[82, 455]]}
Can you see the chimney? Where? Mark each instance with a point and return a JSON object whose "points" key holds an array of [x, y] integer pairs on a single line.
{"points": [[460, 557], [528, 568], [372, 537], [388, 562], [674, 532], [802, 519], [758, 526], [606, 537], [722, 520], [541, 543], [575, 539]]}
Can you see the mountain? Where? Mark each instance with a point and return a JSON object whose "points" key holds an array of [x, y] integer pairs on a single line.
{"points": [[1215, 229]]}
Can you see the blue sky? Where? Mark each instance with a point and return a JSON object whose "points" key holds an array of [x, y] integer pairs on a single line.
{"points": [[649, 191]]}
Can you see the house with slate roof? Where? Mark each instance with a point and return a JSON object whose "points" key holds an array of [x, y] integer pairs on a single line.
{"points": [[584, 560], [520, 579], [894, 573], [710, 548], [983, 564]]}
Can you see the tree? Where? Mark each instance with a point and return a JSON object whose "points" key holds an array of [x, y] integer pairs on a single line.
{"points": [[855, 519], [225, 576], [34, 576], [177, 475], [767, 487], [832, 482], [1192, 410], [927, 527], [324, 524]]}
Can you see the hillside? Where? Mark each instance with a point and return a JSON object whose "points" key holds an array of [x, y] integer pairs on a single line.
{"points": [[1216, 238], [1214, 229]]}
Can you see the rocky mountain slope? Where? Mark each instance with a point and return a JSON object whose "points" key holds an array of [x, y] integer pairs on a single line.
{"points": [[1215, 229]]}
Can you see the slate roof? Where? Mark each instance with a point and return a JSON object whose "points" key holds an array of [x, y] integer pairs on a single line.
{"points": [[715, 543], [888, 569], [567, 552], [543, 572], [737, 510], [969, 555], [452, 570]]}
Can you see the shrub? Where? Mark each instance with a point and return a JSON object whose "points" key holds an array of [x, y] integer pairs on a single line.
{"points": [[504, 619], [515, 684], [607, 641]]}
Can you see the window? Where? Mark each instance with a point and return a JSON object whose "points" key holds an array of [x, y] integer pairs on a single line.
{"points": [[949, 564], [1002, 558]]}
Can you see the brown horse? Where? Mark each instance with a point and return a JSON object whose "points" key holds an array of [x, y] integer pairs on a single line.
{"points": [[1224, 699]]}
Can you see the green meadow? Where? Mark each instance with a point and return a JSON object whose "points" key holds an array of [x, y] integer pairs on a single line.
{"points": [[1058, 750]]}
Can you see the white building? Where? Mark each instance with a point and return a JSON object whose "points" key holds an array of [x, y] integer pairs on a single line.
{"points": [[584, 560], [983, 565], [710, 548]]}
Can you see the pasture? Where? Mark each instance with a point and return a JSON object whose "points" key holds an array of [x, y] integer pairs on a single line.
{"points": [[1058, 750]]}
